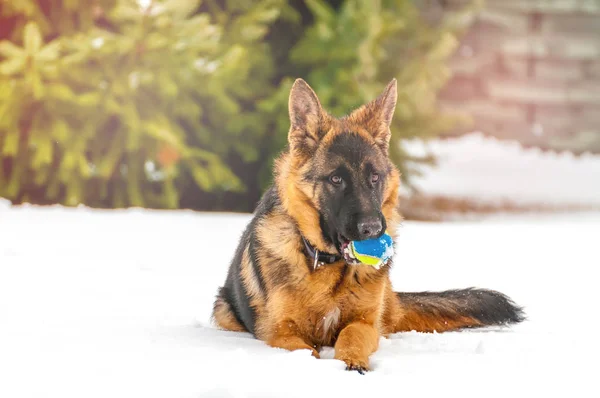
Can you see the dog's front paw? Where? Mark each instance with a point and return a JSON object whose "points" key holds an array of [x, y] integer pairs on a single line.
{"points": [[361, 366], [293, 343]]}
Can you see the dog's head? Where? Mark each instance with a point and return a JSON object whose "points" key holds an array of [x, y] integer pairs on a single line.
{"points": [[337, 181]]}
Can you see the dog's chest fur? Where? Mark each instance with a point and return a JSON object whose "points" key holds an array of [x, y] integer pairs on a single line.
{"points": [[327, 327], [334, 303]]}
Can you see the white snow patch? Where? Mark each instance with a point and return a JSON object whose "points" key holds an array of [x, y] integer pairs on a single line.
{"points": [[117, 304], [144, 4], [98, 42], [389, 252], [479, 167], [202, 64], [4, 205]]}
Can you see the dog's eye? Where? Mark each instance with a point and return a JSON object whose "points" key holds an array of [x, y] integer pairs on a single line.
{"points": [[374, 178], [335, 179]]}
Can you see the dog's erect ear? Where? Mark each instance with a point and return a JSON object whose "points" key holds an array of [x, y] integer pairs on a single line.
{"points": [[377, 115], [305, 117], [386, 102]]}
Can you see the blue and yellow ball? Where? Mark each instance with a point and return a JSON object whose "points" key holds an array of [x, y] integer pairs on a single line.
{"points": [[373, 252]]}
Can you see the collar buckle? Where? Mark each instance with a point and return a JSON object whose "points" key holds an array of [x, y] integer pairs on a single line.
{"points": [[320, 258]]}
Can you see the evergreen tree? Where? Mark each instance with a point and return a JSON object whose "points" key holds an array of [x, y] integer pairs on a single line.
{"points": [[182, 103]]}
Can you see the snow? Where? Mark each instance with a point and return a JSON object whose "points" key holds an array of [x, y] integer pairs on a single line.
{"points": [[97, 42], [144, 4], [389, 251], [478, 167], [117, 304]]}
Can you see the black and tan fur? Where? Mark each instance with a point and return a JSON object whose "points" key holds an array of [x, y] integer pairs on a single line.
{"points": [[335, 183]]}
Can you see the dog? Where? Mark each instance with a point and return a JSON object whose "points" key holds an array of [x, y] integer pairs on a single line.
{"points": [[292, 284]]}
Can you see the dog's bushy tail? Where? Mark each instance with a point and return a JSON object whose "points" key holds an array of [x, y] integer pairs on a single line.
{"points": [[455, 309]]}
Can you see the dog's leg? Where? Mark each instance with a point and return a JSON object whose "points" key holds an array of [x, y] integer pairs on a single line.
{"points": [[285, 334], [223, 316], [355, 343]]}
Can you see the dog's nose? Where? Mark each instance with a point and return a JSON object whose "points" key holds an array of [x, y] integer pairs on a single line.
{"points": [[369, 227]]}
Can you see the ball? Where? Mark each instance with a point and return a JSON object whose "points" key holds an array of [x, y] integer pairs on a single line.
{"points": [[373, 252]]}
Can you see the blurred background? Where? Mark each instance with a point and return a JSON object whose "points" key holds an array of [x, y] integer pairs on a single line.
{"points": [[183, 104]]}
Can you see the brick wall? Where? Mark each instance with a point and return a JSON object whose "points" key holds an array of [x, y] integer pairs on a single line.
{"points": [[529, 70]]}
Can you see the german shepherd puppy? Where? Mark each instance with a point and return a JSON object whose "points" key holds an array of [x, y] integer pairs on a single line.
{"points": [[290, 283]]}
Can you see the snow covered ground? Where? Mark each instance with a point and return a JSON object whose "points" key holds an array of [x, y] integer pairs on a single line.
{"points": [[484, 168], [117, 304]]}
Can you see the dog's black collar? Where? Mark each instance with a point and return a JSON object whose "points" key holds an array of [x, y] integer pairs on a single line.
{"points": [[319, 257]]}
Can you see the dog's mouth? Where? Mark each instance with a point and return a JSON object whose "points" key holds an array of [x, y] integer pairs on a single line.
{"points": [[346, 251]]}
